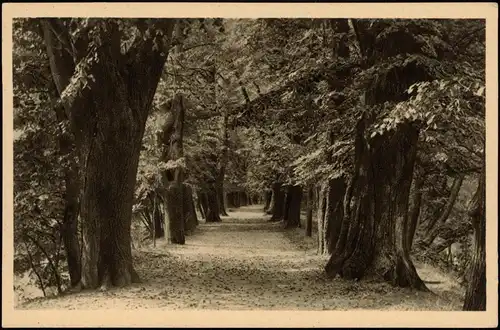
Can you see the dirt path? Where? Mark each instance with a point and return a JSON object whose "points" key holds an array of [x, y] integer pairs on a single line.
{"points": [[246, 262]]}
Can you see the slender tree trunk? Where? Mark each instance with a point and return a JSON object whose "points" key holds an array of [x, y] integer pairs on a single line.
{"points": [[157, 217], [69, 228], [270, 197], [436, 224], [377, 240], [33, 267], [310, 205], [190, 218], [475, 296], [321, 218], [203, 202], [154, 222], [220, 192], [292, 206]]}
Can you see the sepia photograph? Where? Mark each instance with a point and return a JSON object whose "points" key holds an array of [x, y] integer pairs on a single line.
{"points": [[302, 163]]}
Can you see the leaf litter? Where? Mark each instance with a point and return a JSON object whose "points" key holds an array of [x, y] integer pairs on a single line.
{"points": [[245, 263]]}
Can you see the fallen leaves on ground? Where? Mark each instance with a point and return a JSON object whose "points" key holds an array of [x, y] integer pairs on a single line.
{"points": [[246, 262]]}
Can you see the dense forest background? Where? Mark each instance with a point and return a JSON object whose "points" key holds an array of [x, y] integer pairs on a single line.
{"points": [[367, 134]]}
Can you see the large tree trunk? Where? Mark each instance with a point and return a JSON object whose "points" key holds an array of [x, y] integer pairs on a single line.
{"points": [[415, 205], [173, 212], [106, 206], [310, 206], [292, 206], [331, 215], [220, 197], [475, 296], [108, 120], [213, 212], [171, 199], [437, 223], [377, 240], [231, 201], [278, 202], [334, 213]]}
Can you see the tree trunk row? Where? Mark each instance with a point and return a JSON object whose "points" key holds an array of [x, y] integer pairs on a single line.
{"points": [[208, 204]]}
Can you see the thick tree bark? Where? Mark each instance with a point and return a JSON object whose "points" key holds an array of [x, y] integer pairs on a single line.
{"points": [[334, 213], [436, 224], [173, 212], [220, 195], [171, 198], [213, 212], [331, 216], [377, 241], [310, 206], [292, 206], [108, 120], [475, 296], [107, 207], [278, 202], [415, 205]]}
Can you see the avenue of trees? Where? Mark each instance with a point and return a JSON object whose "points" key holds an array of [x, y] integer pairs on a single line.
{"points": [[370, 131]]}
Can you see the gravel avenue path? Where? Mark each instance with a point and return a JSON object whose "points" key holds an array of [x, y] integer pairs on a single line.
{"points": [[248, 263]]}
